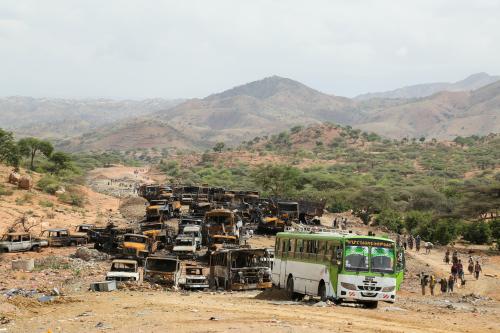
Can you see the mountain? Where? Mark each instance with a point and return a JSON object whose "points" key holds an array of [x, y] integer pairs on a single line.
{"points": [[59, 118], [443, 115], [243, 112], [472, 82]]}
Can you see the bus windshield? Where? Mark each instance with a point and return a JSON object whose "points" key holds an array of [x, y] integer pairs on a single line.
{"points": [[356, 258], [382, 259]]}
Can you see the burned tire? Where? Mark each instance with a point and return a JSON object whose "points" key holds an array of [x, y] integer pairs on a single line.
{"points": [[36, 248], [322, 291]]}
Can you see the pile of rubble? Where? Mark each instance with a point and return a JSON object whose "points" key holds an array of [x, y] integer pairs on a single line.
{"points": [[87, 254]]}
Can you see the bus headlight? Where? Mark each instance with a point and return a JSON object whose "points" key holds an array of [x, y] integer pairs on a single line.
{"points": [[349, 286], [388, 289]]}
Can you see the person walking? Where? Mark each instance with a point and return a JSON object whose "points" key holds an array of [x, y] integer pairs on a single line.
{"points": [[405, 242], [447, 257], [410, 242], [477, 269], [444, 285], [470, 268], [454, 257], [417, 243], [454, 271], [460, 269], [451, 282], [424, 280], [432, 283], [428, 247]]}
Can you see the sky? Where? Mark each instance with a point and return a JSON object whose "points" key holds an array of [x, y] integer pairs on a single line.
{"points": [[183, 49]]}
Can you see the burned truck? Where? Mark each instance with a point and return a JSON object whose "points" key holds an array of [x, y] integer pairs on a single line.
{"points": [[241, 269], [278, 215], [221, 226], [162, 270]]}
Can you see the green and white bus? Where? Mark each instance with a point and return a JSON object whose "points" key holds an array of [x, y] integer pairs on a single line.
{"points": [[337, 266]]}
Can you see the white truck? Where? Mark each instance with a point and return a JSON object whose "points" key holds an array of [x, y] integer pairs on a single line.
{"points": [[185, 246], [125, 270], [193, 231], [20, 242]]}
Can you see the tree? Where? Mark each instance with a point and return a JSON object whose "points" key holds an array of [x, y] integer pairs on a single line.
{"points": [[390, 219], [477, 232], [61, 161], [9, 151], [219, 146], [370, 200], [422, 139], [29, 147], [415, 218], [280, 180]]}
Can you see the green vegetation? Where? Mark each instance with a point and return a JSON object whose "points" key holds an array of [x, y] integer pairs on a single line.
{"points": [[412, 185]]}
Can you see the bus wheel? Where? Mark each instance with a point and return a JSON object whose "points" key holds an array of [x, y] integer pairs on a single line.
{"points": [[289, 288], [371, 304], [322, 291]]}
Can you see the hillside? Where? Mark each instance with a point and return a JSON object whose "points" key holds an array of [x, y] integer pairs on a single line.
{"points": [[59, 118], [472, 82], [264, 107], [444, 115]]}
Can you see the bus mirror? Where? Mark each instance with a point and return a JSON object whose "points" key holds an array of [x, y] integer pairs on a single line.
{"points": [[339, 254]]}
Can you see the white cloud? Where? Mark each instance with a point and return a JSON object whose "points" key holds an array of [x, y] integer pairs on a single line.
{"points": [[137, 49]]}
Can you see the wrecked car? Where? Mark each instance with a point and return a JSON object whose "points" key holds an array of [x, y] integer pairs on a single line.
{"points": [[62, 237], [185, 246], [20, 242]]}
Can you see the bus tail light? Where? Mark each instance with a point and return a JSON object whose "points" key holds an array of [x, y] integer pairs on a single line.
{"points": [[388, 289], [349, 286]]}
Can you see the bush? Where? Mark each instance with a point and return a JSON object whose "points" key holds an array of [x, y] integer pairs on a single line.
{"points": [[477, 232], [5, 191], [46, 203], [73, 197], [442, 231], [415, 218], [49, 184], [391, 219]]}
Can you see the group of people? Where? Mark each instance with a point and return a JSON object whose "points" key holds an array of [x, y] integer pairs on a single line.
{"points": [[457, 274], [339, 223], [408, 242]]}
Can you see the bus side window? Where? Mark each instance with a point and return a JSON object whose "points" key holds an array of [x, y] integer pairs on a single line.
{"points": [[283, 248], [321, 250], [277, 246], [329, 250], [299, 247], [291, 246]]}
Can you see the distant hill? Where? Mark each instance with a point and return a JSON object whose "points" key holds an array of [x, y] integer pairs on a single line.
{"points": [[444, 115], [258, 108], [472, 82], [59, 118]]}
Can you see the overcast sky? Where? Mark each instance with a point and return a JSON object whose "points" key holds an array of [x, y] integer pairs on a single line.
{"points": [[171, 49]]}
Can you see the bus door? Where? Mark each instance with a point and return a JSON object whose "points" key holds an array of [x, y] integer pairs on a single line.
{"points": [[400, 266]]}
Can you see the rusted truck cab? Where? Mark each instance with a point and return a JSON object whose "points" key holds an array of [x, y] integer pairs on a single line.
{"points": [[222, 226], [163, 270]]}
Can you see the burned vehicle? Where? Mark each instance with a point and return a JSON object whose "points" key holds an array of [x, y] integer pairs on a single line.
{"points": [[188, 220], [241, 269], [193, 278], [221, 226], [155, 209], [62, 237], [199, 209], [149, 192], [164, 270], [278, 215], [165, 192], [185, 246], [20, 242], [158, 232], [109, 238], [135, 246], [125, 270], [189, 194], [193, 231]]}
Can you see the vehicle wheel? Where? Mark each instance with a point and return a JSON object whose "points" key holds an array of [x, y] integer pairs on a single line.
{"points": [[73, 243], [36, 248], [322, 291], [371, 305]]}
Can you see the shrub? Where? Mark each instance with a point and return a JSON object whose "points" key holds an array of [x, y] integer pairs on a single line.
{"points": [[390, 219], [73, 197], [477, 232], [442, 231], [49, 184], [46, 203], [415, 218], [5, 191]]}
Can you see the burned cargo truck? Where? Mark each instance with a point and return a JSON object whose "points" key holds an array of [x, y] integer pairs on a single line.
{"points": [[241, 269]]}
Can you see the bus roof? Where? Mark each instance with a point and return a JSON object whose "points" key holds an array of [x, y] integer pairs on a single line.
{"points": [[327, 236]]}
